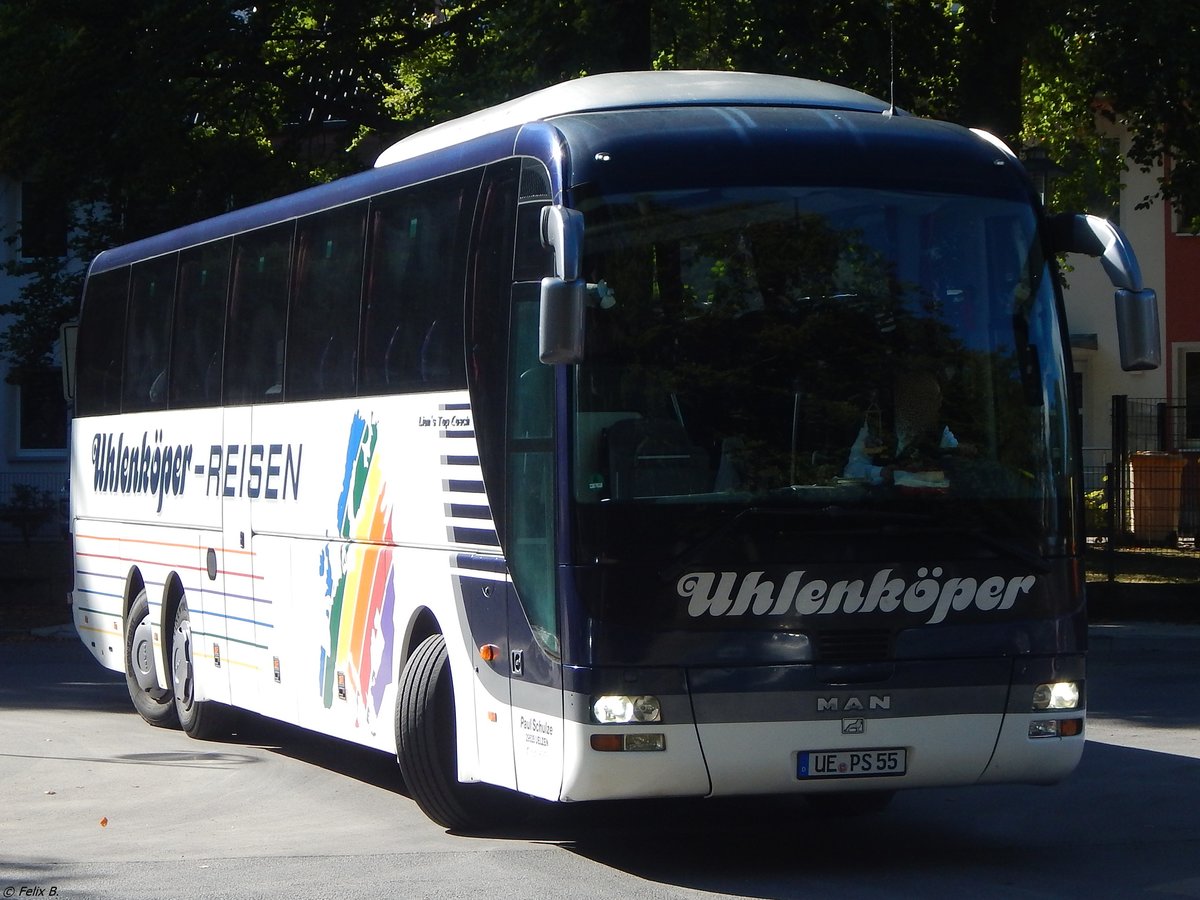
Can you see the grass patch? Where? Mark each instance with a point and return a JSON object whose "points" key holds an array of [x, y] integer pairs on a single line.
{"points": [[1148, 584], [1142, 565]]}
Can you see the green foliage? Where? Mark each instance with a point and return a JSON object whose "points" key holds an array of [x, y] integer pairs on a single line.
{"points": [[50, 292], [1143, 60], [1095, 511], [159, 113], [1060, 115]]}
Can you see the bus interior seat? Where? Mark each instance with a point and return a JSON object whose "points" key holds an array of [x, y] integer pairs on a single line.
{"points": [[654, 458]]}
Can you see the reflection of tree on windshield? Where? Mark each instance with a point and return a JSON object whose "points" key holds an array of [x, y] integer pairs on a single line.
{"points": [[759, 335]]}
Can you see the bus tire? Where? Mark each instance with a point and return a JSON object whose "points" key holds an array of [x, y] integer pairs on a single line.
{"points": [[426, 740], [153, 704], [200, 719]]}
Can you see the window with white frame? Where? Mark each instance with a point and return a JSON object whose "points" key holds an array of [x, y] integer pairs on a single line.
{"points": [[1187, 379]]}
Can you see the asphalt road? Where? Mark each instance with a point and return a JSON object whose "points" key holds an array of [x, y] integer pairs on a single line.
{"points": [[96, 804]]}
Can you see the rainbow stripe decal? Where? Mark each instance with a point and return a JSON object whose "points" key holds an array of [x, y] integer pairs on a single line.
{"points": [[360, 581]]}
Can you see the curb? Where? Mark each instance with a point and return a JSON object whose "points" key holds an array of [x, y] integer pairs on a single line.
{"points": [[1133, 636], [64, 632]]}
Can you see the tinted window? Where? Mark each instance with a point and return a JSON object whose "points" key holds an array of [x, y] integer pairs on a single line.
{"points": [[413, 328], [101, 344], [148, 335], [199, 325], [323, 328], [257, 316]]}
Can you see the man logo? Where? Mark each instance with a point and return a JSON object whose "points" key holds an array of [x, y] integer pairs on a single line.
{"points": [[854, 704], [854, 726]]}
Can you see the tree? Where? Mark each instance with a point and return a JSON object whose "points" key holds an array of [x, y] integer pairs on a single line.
{"points": [[1142, 60], [164, 112]]}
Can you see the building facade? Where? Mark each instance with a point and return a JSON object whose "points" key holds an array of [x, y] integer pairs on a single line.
{"points": [[1141, 430], [1092, 323], [33, 414]]}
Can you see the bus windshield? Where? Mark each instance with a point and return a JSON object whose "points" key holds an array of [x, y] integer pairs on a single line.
{"points": [[847, 359]]}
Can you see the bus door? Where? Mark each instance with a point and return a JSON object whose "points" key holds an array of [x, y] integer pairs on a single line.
{"points": [[195, 385], [237, 563], [253, 380], [513, 411], [210, 644], [535, 663]]}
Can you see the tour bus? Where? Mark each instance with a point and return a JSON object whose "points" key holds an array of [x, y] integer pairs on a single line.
{"points": [[657, 434]]}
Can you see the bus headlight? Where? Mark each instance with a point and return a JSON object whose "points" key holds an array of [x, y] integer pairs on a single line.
{"points": [[1058, 695], [621, 709]]}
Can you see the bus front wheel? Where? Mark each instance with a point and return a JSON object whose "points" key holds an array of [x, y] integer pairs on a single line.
{"points": [[426, 742], [153, 704]]}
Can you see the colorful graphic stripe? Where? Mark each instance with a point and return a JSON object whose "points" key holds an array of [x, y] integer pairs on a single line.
{"points": [[360, 582]]}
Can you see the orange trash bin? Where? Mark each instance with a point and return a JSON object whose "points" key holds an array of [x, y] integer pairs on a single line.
{"points": [[1155, 479]]}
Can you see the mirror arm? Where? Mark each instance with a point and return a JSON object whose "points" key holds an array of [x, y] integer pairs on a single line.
{"points": [[562, 232], [1094, 236], [1138, 336]]}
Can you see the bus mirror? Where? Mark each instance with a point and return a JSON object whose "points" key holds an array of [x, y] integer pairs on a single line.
{"points": [[68, 334], [564, 296], [1137, 306], [562, 232], [561, 324], [1137, 330]]}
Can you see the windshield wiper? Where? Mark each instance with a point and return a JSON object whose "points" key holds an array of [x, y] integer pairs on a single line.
{"points": [[721, 531], [1010, 549]]}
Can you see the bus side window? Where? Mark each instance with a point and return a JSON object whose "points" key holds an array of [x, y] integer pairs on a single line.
{"points": [[257, 316], [322, 331], [102, 344], [148, 335], [413, 308], [199, 329]]}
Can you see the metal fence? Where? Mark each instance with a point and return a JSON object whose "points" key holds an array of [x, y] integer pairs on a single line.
{"points": [[1146, 490]]}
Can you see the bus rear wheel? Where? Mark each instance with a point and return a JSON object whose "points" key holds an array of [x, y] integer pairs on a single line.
{"points": [[426, 741], [201, 719], [153, 704]]}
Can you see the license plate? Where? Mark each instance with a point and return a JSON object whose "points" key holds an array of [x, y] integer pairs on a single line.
{"points": [[851, 763]]}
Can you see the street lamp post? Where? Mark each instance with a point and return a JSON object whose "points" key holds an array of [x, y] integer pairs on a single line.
{"points": [[1042, 169]]}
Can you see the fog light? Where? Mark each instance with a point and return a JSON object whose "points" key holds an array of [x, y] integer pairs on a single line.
{"points": [[622, 710], [1040, 728], [645, 741], [1058, 695]]}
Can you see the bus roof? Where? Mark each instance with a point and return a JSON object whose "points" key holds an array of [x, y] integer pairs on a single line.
{"points": [[633, 90], [488, 135]]}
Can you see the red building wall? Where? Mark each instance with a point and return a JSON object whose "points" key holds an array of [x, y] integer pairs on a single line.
{"points": [[1182, 312]]}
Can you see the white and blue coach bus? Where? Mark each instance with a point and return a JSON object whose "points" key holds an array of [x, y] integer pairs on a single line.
{"points": [[656, 434]]}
